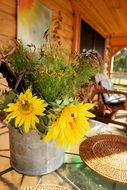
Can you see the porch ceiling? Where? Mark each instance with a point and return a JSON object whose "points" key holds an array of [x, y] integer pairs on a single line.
{"points": [[108, 17]]}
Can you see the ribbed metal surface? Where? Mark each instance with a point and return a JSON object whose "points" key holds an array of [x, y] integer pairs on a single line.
{"points": [[31, 156]]}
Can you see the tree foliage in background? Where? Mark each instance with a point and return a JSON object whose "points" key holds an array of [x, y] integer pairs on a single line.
{"points": [[120, 61]]}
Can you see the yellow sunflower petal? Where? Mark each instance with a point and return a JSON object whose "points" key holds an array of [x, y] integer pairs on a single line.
{"points": [[88, 114], [27, 125], [71, 125], [17, 120], [88, 106], [25, 110]]}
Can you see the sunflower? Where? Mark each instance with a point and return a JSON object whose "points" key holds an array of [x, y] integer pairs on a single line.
{"points": [[70, 127], [25, 110]]}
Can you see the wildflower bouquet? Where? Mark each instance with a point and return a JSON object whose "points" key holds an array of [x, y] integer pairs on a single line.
{"points": [[43, 86]]}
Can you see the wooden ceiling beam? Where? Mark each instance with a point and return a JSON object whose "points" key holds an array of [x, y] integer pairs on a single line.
{"points": [[120, 41], [93, 10], [87, 18], [107, 17]]}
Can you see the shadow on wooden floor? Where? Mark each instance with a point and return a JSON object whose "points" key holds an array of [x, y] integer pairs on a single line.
{"points": [[119, 119]]}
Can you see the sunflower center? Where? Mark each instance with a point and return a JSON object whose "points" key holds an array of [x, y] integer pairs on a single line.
{"points": [[74, 115], [26, 107]]}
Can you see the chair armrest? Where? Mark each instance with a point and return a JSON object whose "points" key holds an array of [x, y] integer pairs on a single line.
{"points": [[100, 89]]}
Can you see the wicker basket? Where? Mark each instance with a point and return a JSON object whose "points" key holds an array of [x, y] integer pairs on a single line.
{"points": [[106, 155], [46, 187]]}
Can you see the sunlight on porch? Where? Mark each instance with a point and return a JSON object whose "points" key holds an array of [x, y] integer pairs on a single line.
{"points": [[86, 27]]}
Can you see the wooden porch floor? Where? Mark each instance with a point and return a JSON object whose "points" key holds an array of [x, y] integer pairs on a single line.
{"points": [[119, 120], [72, 174]]}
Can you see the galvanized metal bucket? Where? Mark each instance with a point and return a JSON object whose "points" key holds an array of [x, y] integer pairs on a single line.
{"points": [[30, 156]]}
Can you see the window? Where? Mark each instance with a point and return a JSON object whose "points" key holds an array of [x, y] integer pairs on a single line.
{"points": [[90, 39]]}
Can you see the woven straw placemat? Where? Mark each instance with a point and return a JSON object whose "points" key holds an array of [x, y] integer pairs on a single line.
{"points": [[46, 187], [106, 155]]}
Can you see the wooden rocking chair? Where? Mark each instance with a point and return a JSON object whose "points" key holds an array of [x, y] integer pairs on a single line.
{"points": [[107, 100]]}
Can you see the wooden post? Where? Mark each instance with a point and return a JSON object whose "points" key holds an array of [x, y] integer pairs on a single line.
{"points": [[106, 56], [110, 61], [76, 35]]}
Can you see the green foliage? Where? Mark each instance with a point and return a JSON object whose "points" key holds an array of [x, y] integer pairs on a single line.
{"points": [[120, 61], [25, 58], [8, 99], [51, 71], [84, 71], [53, 74]]}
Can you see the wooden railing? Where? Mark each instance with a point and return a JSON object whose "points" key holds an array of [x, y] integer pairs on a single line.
{"points": [[119, 78]]}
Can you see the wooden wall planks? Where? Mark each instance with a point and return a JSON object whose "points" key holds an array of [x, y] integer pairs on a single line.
{"points": [[8, 21], [107, 17], [8, 6], [66, 32]]}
